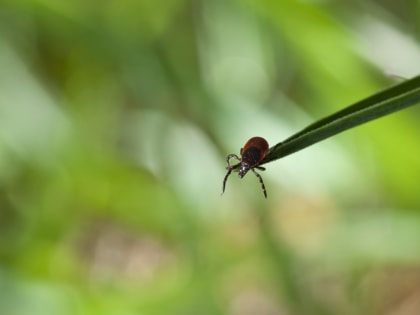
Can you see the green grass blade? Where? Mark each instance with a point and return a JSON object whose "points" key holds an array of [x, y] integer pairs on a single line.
{"points": [[383, 103]]}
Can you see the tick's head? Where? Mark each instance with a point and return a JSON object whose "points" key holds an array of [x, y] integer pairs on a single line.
{"points": [[244, 169]]}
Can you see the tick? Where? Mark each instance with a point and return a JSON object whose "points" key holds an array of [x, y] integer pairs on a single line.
{"points": [[252, 155]]}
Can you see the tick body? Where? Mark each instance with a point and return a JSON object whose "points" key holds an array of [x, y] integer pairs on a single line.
{"points": [[252, 154]]}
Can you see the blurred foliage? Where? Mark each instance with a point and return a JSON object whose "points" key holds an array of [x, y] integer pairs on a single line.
{"points": [[115, 120]]}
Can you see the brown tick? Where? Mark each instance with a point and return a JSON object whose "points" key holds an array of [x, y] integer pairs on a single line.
{"points": [[252, 154]]}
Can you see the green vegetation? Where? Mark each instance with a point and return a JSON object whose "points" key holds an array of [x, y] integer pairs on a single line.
{"points": [[115, 121], [381, 104]]}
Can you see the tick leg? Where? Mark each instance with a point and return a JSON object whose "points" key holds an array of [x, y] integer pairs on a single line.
{"points": [[230, 168], [231, 156], [261, 181], [260, 168], [225, 179]]}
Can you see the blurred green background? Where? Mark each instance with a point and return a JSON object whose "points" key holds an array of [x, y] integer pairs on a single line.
{"points": [[115, 121]]}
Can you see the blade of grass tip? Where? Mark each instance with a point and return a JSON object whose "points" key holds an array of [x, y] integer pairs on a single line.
{"points": [[383, 103], [384, 95]]}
